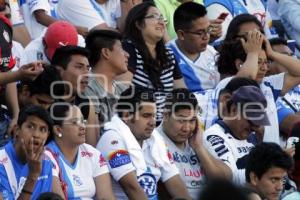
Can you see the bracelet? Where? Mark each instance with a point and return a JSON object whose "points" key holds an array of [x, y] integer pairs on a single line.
{"points": [[26, 191]]}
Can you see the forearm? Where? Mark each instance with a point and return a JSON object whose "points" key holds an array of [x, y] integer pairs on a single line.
{"points": [[250, 67], [8, 77], [42, 18], [290, 63], [12, 99], [125, 7], [21, 34], [28, 188]]}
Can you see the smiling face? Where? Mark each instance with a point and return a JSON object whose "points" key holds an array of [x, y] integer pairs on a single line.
{"points": [[153, 28]]}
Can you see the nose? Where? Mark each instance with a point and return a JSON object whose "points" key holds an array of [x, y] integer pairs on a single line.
{"points": [[279, 186], [187, 127], [126, 54]]}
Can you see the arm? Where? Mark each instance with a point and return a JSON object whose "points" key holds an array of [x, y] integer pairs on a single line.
{"points": [[21, 34], [176, 188], [212, 166], [104, 187], [131, 187], [179, 83], [252, 47], [43, 18], [126, 5], [12, 103], [291, 64], [56, 187], [92, 131]]}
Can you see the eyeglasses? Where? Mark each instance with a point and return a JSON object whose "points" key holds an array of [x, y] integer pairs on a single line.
{"points": [[156, 17], [201, 33], [76, 122]]}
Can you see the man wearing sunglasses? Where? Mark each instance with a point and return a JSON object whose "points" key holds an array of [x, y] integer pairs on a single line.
{"points": [[195, 57]]}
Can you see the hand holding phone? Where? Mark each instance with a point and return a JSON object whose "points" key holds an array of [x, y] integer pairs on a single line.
{"points": [[223, 16]]}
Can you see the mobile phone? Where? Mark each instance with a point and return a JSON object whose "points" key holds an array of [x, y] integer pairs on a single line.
{"points": [[291, 142], [223, 15]]}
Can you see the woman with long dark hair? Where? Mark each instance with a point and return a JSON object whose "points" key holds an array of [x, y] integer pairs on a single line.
{"points": [[151, 63]]}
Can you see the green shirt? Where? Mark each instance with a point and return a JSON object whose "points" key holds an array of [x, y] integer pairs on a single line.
{"points": [[167, 9]]}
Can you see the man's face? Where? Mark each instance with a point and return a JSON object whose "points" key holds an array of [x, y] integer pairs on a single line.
{"points": [[42, 100], [120, 64], [197, 37], [76, 73], [143, 122], [34, 131], [270, 184], [275, 67], [180, 125]]}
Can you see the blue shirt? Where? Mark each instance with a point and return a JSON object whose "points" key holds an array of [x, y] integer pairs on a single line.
{"points": [[43, 184]]}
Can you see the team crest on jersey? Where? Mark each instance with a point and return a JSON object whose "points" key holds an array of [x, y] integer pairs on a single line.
{"points": [[148, 182], [119, 158], [215, 140], [77, 181]]}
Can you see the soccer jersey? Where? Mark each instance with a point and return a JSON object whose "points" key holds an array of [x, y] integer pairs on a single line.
{"points": [[80, 175], [13, 174], [28, 7], [85, 13], [112, 12], [271, 87], [116, 153], [200, 74], [289, 104], [223, 145], [189, 166]]}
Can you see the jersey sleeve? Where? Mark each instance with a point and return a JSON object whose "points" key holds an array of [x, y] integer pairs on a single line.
{"points": [[5, 188], [116, 154], [275, 82], [35, 5], [55, 166], [220, 148], [99, 163]]}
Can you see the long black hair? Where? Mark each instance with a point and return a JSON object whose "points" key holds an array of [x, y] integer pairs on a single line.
{"points": [[152, 66]]}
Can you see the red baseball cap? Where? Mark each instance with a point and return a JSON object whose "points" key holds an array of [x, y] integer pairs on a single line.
{"points": [[58, 34]]}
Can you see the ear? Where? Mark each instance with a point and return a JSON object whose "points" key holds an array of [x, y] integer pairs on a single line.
{"points": [[223, 98], [25, 91], [180, 34], [105, 53], [126, 116], [56, 130], [238, 64], [17, 132], [139, 25], [253, 178]]}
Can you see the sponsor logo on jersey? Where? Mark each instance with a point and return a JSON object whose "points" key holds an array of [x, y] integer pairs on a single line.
{"points": [[77, 181], [114, 142], [215, 140], [118, 158], [86, 154], [102, 160]]}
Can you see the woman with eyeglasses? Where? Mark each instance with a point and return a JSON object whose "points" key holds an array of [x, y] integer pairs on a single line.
{"points": [[151, 64], [82, 169]]}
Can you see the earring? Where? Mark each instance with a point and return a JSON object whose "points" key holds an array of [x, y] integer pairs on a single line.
{"points": [[241, 65], [59, 135]]}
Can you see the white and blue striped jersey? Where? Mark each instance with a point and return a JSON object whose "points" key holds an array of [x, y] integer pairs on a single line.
{"points": [[223, 145], [200, 74], [80, 175]]}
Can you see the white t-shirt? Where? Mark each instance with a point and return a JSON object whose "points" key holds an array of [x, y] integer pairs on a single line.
{"points": [[222, 144], [112, 11], [34, 51], [201, 74], [85, 13], [254, 7], [28, 7], [18, 54], [188, 165], [115, 151], [271, 87], [16, 14], [80, 176]]}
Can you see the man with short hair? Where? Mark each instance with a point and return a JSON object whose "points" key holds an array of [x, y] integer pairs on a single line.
{"points": [[108, 60], [266, 169], [58, 34], [195, 57], [183, 135], [40, 91], [227, 139], [25, 172], [73, 66], [137, 155]]}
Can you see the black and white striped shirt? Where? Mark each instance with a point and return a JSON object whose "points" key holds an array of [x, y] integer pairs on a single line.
{"points": [[141, 78]]}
